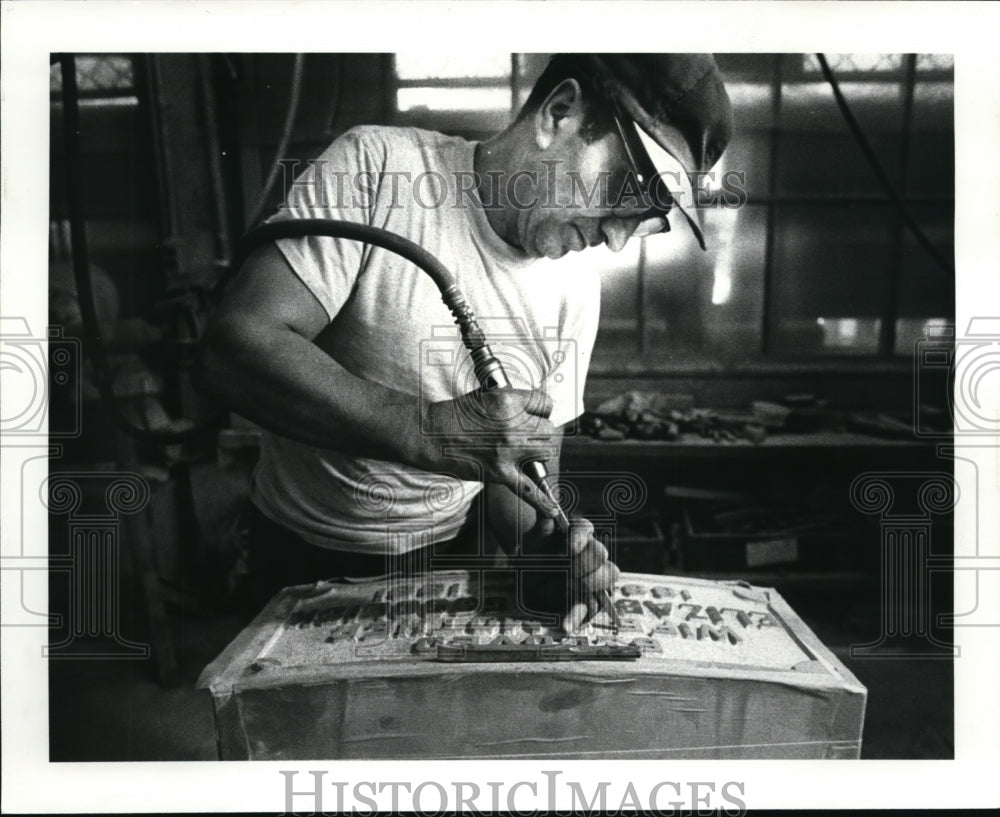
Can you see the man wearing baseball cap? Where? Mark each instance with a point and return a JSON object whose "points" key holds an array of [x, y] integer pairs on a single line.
{"points": [[661, 119], [324, 342]]}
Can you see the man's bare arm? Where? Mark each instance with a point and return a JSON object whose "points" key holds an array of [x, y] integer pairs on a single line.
{"points": [[259, 357]]}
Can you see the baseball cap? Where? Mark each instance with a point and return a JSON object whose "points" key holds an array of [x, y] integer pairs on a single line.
{"points": [[679, 112]]}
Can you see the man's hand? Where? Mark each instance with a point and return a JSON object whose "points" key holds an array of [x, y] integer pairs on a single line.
{"points": [[590, 571], [485, 435]]}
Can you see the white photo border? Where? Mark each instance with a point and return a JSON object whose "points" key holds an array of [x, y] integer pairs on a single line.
{"points": [[31, 31]]}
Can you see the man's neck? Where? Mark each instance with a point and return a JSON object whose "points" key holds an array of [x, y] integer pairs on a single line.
{"points": [[493, 167]]}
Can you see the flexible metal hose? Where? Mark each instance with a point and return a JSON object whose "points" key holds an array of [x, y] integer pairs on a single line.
{"points": [[488, 370]]}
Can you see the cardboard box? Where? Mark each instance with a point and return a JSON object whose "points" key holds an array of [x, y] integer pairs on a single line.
{"points": [[352, 670]]}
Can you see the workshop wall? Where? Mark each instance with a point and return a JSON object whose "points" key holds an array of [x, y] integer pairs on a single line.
{"points": [[337, 92]]}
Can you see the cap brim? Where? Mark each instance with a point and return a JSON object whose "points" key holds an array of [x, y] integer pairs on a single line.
{"points": [[672, 166]]}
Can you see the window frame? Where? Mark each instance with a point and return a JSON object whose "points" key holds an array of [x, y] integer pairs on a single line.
{"points": [[786, 69]]}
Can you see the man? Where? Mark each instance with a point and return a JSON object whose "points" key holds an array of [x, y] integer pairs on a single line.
{"points": [[321, 341]]}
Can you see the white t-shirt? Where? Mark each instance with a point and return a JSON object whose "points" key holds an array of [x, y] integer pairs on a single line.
{"points": [[390, 326]]}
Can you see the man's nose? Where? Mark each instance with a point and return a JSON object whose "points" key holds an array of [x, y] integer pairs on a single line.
{"points": [[617, 231]]}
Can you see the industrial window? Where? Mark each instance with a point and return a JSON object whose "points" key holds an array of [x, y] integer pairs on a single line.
{"points": [[478, 82], [101, 79], [118, 168], [472, 94], [816, 263]]}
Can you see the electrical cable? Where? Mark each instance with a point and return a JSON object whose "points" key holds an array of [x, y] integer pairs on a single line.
{"points": [[904, 212], [286, 136]]}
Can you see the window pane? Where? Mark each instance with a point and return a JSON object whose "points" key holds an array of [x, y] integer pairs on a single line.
{"points": [[749, 155], [931, 163], [529, 69], [453, 99], [816, 152], [831, 262], [97, 75], [935, 62], [926, 290], [749, 149], [854, 63], [752, 103], [453, 83], [452, 66], [910, 331], [617, 334], [678, 294], [746, 67], [707, 303]]}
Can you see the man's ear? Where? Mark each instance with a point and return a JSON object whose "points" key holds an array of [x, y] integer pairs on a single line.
{"points": [[561, 112]]}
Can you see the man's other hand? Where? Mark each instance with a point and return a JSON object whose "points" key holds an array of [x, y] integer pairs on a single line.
{"points": [[591, 572], [486, 435]]}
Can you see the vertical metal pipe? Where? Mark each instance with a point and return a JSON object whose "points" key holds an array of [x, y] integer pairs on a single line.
{"points": [[330, 129], [640, 301], [890, 307], [93, 345], [390, 89], [766, 313], [515, 83], [223, 250], [170, 240]]}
